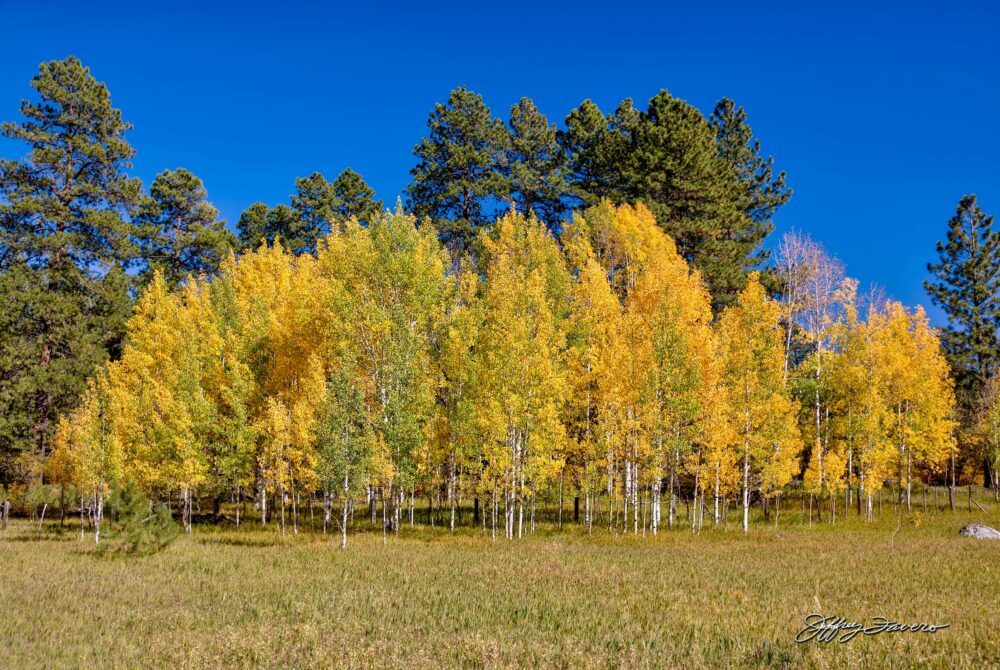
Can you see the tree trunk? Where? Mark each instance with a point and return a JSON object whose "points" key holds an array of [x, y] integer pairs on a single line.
{"points": [[951, 489]]}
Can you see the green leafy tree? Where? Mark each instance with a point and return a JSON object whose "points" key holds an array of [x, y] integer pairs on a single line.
{"points": [[66, 239], [181, 233], [344, 443], [537, 165], [459, 182]]}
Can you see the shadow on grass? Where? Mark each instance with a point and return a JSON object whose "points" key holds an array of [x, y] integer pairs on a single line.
{"points": [[240, 541], [47, 535]]}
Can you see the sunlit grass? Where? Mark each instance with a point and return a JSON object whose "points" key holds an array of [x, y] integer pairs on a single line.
{"points": [[226, 597]]}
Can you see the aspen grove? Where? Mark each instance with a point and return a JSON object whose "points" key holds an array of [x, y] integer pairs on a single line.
{"points": [[383, 370]]}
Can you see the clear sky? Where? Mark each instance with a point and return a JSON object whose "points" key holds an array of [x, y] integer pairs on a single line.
{"points": [[882, 116]]}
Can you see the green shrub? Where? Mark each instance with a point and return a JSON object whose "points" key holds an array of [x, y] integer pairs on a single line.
{"points": [[137, 526]]}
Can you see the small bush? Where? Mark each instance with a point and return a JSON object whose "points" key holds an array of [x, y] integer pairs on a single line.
{"points": [[137, 526]]}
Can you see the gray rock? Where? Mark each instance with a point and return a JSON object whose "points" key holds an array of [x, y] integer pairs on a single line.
{"points": [[981, 532]]}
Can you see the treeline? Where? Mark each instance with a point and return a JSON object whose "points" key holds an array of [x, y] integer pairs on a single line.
{"points": [[589, 366], [79, 237], [80, 241]]}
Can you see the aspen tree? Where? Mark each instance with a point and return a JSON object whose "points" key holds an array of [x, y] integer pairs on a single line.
{"points": [[919, 392], [858, 374], [453, 427], [594, 316], [761, 413], [89, 451], [520, 367], [392, 279]]}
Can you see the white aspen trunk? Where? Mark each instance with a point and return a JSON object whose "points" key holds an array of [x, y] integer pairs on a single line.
{"points": [[655, 503], [560, 504], [611, 487], [746, 462], [532, 510], [909, 483], [451, 489], [672, 508], [645, 509], [263, 505], [626, 493], [343, 525], [697, 483], [283, 504], [328, 510], [635, 497], [850, 484], [746, 490], [718, 466], [98, 516], [343, 515]]}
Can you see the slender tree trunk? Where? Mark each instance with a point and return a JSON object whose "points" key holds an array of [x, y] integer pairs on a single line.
{"points": [[746, 459], [951, 489], [560, 501]]}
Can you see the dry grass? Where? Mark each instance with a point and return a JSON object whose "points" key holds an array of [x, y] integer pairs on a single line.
{"points": [[248, 598]]}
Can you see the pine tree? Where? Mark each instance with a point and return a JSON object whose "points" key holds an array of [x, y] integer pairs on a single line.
{"points": [[536, 167], [354, 198], [64, 209], [261, 224], [761, 192], [315, 203], [181, 233], [459, 182], [966, 286], [668, 158], [588, 144]]}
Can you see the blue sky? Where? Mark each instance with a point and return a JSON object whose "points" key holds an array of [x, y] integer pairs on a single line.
{"points": [[882, 116]]}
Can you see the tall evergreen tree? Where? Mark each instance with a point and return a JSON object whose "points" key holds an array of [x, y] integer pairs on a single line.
{"points": [[536, 168], [966, 285], [595, 154], [354, 198], [459, 182], [667, 157], [67, 238], [317, 207], [761, 192], [181, 233], [261, 224]]}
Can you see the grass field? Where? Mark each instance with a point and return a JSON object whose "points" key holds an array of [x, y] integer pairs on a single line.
{"points": [[224, 597]]}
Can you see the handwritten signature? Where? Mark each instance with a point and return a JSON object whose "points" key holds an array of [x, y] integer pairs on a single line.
{"points": [[821, 628]]}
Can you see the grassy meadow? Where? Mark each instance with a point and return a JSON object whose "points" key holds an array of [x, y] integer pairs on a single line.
{"points": [[248, 597]]}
